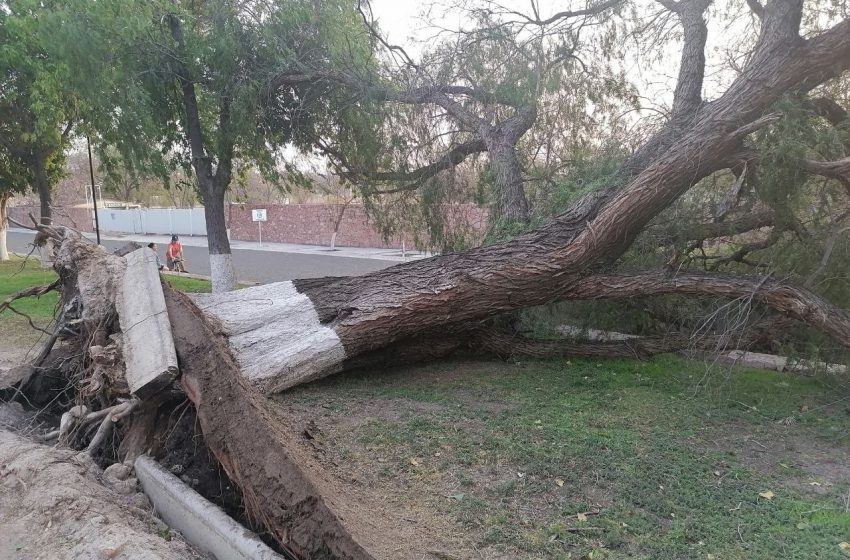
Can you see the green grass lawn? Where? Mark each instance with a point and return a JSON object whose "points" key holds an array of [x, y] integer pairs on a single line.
{"points": [[17, 275], [588, 459], [16, 335], [189, 285]]}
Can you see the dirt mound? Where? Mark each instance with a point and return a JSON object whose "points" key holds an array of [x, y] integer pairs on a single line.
{"points": [[52, 506]]}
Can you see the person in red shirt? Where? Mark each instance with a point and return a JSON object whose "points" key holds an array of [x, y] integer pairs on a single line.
{"points": [[174, 254]]}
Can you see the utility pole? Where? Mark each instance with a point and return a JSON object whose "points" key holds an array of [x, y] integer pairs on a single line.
{"points": [[93, 193]]}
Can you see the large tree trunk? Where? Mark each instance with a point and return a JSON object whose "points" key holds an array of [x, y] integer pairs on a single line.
{"points": [[4, 226], [223, 272], [289, 333], [510, 202], [42, 187], [212, 185]]}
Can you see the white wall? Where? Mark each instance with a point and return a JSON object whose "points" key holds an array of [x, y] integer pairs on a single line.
{"points": [[180, 221]]}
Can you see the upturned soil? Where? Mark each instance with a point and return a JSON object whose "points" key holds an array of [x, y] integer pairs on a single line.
{"points": [[56, 505]]}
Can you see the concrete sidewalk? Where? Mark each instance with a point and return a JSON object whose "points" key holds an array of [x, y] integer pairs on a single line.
{"points": [[394, 255]]}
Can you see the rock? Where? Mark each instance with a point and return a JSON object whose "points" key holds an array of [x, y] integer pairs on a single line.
{"points": [[13, 415], [15, 375], [117, 472]]}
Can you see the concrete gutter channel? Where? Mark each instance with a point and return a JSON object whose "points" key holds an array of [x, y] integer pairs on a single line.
{"points": [[202, 523]]}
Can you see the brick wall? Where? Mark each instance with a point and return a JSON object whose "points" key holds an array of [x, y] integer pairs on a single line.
{"points": [[309, 224], [313, 224], [71, 216]]}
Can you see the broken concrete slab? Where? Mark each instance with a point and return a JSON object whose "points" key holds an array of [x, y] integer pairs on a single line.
{"points": [[199, 521], [149, 355]]}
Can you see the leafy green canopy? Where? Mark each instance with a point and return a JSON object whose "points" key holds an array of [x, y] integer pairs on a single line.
{"points": [[36, 108], [14, 177], [126, 69]]}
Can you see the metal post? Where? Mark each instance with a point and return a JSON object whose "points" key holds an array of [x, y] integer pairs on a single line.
{"points": [[93, 194], [261, 232]]}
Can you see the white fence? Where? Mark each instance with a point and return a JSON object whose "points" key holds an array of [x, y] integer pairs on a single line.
{"points": [[180, 221]]}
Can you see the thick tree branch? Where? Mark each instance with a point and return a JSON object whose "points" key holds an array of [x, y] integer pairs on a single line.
{"points": [[792, 301], [839, 169], [410, 179], [589, 11], [827, 108], [504, 345], [413, 179], [746, 223], [740, 254], [687, 96], [756, 8]]}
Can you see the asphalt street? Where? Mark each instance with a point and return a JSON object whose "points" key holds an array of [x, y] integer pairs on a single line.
{"points": [[251, 265]]}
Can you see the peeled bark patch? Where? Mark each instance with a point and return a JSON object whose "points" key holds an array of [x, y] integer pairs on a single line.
{"points": [[275, 334]]}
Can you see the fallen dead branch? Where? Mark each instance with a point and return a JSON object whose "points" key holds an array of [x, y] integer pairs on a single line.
{"points": [[34, 291]]}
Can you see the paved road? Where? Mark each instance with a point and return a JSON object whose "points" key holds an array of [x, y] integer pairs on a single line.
{"points": [[251, 265]]}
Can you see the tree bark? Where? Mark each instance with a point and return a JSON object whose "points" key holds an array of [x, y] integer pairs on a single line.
{"points": [[4, 226], [212, 185], [42, 187], [223, 272], [511, 202], [289, 333]]}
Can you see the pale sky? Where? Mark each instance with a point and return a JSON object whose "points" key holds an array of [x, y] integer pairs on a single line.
{"points": [[402, 23]]}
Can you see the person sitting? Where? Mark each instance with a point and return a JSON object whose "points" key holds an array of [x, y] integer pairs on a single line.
{"points": [[159, 265], [174, 253]]}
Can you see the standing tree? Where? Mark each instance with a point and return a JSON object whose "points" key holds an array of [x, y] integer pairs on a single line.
{"points": [[478, 91], [181, 84], [37, 110]]}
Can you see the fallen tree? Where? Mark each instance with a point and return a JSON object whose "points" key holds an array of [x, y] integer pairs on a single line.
{"points": [[234, 347]]}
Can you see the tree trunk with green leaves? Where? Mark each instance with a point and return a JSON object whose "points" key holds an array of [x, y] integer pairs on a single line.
{"points": [[211, 184]]}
